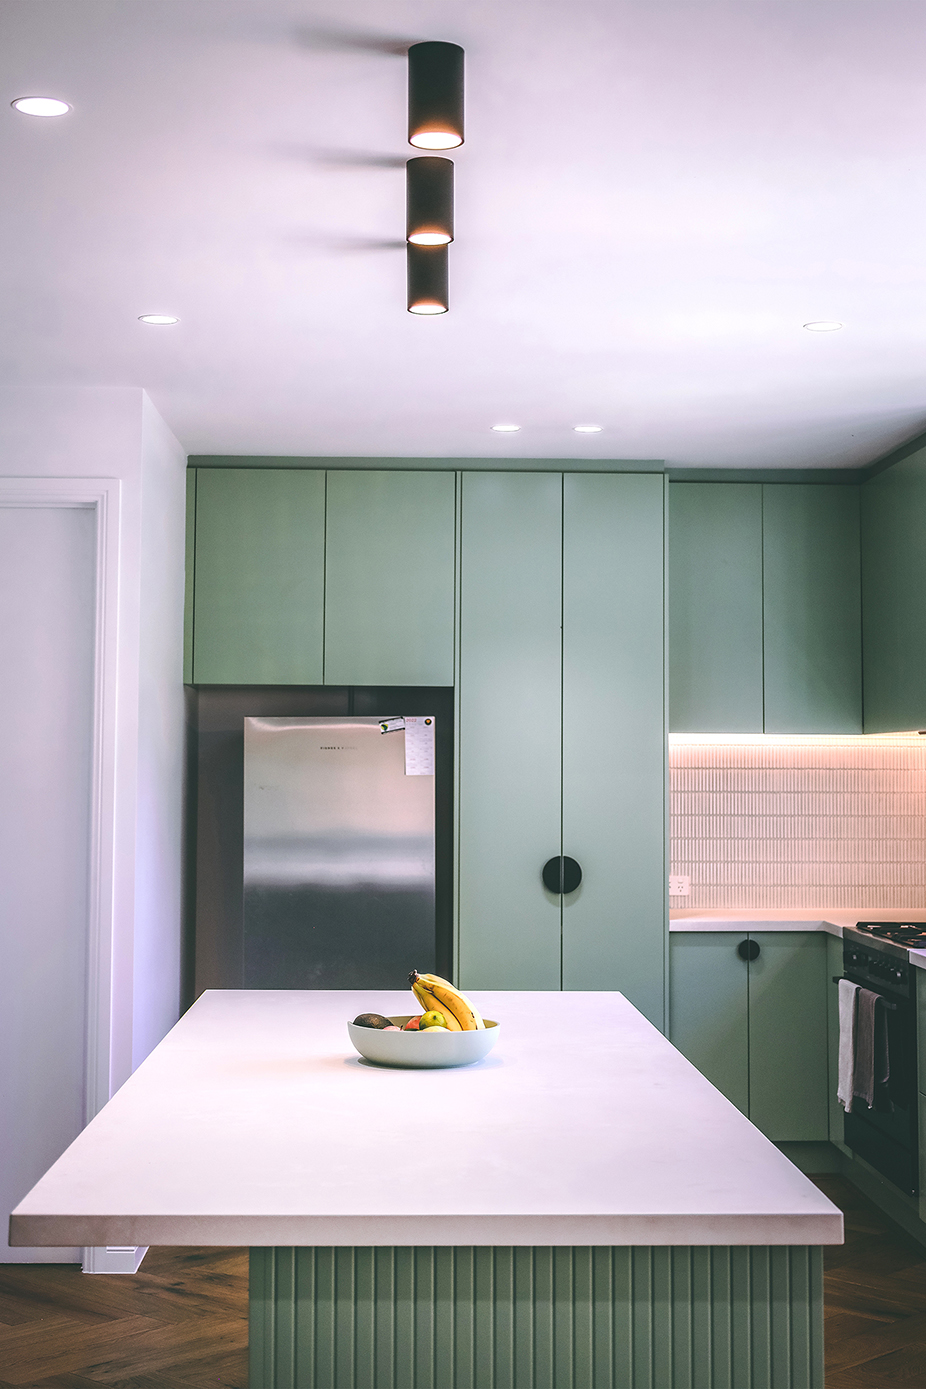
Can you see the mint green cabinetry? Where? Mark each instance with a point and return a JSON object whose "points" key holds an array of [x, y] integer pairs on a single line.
{"points": [[562, 732], [894, 596], [715, 607], [787, 1036], [709, 1009], [389, 589], [614, 734], [190, 567], [509, 729], [259, 576], [764, 608], [757, 1031], [812, 609]]}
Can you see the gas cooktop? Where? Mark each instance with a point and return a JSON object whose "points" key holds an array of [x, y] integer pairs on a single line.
{"points": [[911, 934]]}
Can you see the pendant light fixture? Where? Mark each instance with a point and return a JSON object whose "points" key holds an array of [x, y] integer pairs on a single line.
{"points": [[427, 279], [429, 201], [435, 96]]}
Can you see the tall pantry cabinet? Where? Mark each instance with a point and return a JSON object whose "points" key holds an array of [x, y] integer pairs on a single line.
{"points": [[540, 596], [562, 731]]}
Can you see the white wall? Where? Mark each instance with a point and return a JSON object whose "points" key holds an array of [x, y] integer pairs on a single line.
{"points": [[158, 823], [115, 432]]}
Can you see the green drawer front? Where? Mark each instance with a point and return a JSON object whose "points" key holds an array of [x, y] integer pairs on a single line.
{"points": [[541, 1318]]}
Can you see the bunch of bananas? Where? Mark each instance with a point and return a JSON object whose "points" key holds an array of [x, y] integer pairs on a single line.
{"points": [[439, 996]]}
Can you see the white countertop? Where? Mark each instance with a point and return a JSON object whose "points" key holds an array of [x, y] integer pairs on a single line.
{"points": [[255, 1123], [791, 919]]}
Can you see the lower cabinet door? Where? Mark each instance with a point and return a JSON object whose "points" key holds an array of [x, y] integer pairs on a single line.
{"points": [[787, 1036], [708, 1009]]}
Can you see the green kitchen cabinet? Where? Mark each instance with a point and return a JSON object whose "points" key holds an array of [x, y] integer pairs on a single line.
{"points": [[614, 752], [389, 578], [715, 607], [562, 732], [812, 619], [757, 1029], [894, 596], [709, 1009], [190, 572], [509, 934], [788, 1091], [259, 577], [765, 608]]}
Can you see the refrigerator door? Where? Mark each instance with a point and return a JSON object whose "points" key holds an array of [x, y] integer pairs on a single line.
{"points": [[338, 856]]}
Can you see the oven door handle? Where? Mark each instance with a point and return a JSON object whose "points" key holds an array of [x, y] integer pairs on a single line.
{"points": [[892, 1007]]}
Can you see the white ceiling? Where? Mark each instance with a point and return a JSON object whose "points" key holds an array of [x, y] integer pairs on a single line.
{"points": [[651, 201]]}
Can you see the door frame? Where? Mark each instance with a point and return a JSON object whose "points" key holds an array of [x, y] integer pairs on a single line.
{"points": [[103, 497]]}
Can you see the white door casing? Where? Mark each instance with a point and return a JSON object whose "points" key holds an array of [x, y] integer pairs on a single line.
{"points": [[100, 498]]}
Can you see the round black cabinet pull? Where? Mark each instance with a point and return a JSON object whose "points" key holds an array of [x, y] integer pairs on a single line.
{"points": [[561, 875], [748, 950]]}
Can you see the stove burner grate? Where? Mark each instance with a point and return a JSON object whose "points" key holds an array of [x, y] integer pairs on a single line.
{"points": [[903, 933]]}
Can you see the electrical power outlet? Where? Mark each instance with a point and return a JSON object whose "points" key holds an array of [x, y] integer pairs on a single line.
{"points": [[679, 885]]}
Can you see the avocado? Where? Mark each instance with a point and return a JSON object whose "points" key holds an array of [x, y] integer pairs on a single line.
{"points": [[372, 1020]]}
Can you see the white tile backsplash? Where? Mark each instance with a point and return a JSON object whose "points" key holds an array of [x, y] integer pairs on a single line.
{"points": [[802, 822]]}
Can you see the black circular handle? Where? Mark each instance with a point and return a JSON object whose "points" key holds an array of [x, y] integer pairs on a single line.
{"points": [[748, 950], [561, 875]]}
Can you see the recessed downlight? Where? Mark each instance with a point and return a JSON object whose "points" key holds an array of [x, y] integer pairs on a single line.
{"points": [[587, 428], [824, 325], [40, 106], [506, 428], [159, 320]]}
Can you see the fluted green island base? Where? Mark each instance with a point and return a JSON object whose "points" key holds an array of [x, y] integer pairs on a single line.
{"points": [[537, 1318]]}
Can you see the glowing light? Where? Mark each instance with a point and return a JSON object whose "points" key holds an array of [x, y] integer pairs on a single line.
{"points": [[427, 238], [40, 106], [427, 306], [435, 140], [506, 428], [159, 320], [587, 428]]}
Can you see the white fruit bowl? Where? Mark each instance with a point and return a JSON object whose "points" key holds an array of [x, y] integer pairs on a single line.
{"points": [[423, 1049]]}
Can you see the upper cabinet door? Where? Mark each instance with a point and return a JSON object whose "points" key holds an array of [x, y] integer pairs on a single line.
{"points": [[715, 607], [894, 589], [259, 576], [389, 592], [813, 636], [614, 771], [509, 729]]}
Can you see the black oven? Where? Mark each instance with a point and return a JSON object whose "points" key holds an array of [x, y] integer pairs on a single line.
{"points": [[888, 1140]]}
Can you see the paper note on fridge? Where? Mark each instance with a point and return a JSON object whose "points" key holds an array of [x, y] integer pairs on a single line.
{"points": [[419, 746]]}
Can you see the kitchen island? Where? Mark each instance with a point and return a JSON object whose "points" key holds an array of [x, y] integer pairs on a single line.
{"points": [[581, 1209]]}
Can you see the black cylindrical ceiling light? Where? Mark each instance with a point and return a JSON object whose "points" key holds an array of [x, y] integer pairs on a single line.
{"points": [[435, 96], [429, 201], [427, 279]]}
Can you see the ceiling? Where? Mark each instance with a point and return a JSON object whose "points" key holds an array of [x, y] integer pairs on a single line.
{"points": [[653, 198]]}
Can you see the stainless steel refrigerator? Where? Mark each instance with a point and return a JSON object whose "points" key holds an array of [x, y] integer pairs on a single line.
{"points": [[338, 852]]}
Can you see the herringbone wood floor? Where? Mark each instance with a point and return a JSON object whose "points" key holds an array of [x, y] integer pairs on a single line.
{"points": [[874, 1299], [181, 1321]]}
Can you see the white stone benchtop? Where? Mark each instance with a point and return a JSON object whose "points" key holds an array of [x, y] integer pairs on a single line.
{"points": [[791, 919], [831, 919], [255, 1123]]}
